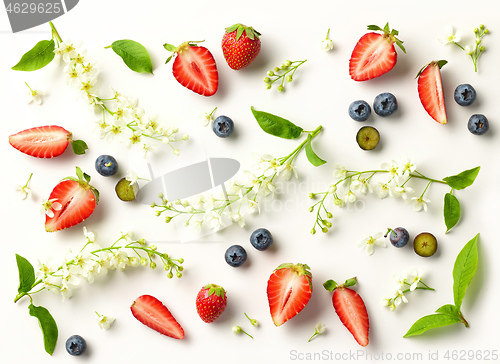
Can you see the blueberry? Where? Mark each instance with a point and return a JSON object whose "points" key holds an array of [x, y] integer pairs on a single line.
{"points": [[385, 104], [106, 165], [76, 345], [465, 94], [235, 255], [359, 110], [478, 124], [261, 239], [399, 237], [223, 126]]}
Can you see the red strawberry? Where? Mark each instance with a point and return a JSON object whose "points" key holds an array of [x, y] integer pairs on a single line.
{"points": [[152, 313], [289, 289], [240, 45], [374, 54], [350, 308], [430, 90], [211, 301], [45, 141], [194, 67], [70, 202]]}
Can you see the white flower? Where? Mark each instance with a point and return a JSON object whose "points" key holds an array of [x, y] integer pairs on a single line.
{"points": [[196, 225], [386, 302], [370, 242], [332, 189], [402, 191], [451, 36], [89, 235], [400, 280], [406, 167], [350, 197], [128, 236], [236, 217], [253, 206], [414, 277], [361, 185], [208, 118], [400, 297], [24, 191], [35, 95], [339, 172], [132, 176], [105, 322], [469, 49], [382, 190], [320, 328], [267, 187], [49, 206], [327, 43], [392, 168], [420, 203], [67, 50], [213, 220], [286, 171]]}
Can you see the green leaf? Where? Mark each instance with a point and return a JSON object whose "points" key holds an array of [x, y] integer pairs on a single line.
{"points": [[464, 270], [170, 47], [330, 285], [451, 211], [79, 173], [79, 147], [37, 57], [48, 326], [311, 156], [26, 274], [431, 322], [135, 56], [441, 63], [463, 179], [449, 310], [276, 125], [374, 27], [239, 32]]}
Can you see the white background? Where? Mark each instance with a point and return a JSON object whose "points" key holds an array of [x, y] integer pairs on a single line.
{"points": [[320, 94]]}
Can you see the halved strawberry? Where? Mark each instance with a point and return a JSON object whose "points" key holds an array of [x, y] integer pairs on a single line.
{"points": [[194, 68], [154, 314], [289, 289], [374, 54], [350, 308], [430, 90], [240, 45], [46, 141], [70, 202]]}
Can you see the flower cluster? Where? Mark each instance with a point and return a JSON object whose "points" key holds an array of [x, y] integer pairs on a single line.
{"points": [[284, 73], [406, 282], [475, 50], [93, 261], [120, 117], [239, 197], [350, 185]]}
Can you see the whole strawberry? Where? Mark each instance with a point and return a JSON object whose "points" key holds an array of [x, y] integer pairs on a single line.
{"points": [[211, 302], [240, 45]]}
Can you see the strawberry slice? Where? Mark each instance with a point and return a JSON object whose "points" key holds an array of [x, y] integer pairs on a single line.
{"points": [[154, 314], [46, 141], [430, 90], [194, 68], [374, 54], [350, 308], [289, 289], [70, 202]]}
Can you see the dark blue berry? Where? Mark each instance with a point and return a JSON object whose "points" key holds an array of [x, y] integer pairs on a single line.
{"points": [[359, 110], [465, 94], [478, 124], [106, 165], [385, 104], [223, 126], [76, 345], [235, 255], [261, 239], [399, 237]]}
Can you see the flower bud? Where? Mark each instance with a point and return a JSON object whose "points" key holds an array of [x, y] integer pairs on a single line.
{"points": [[281, 88], [324, 230], [270, 73], [160, 195], [179, 274], [289, 78], [482, 48], [311, 209], [168, 219], [180, 268], [152, 265], [329, 215], [312, 195], [157, 213], [169, 275], [276, 69], [143, 261], [153, 205], [267, 79], [180, 261], [288, 62], [313, 231]]}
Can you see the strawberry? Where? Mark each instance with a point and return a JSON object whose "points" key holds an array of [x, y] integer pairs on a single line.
{"points": [[289, 289], [240, 45], [350, 308], [70, 202], [46, 141], [374, 54], [211, 301], [194, 68], [430, 90], [154, 314]]}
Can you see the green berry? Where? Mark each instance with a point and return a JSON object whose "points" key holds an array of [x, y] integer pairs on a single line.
{"points": [[126, 191], [425, 244]]}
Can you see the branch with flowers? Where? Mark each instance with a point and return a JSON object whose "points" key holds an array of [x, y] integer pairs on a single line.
{"points": [[350, 184], [473, 51], [408, 281], [244, 196], [89, 263], [119, 116]]}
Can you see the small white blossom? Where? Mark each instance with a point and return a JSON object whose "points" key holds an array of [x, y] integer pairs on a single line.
{"points": [[451, 36], [469, 49], [24, 191], [89, 235], [350, 197], [361, 185], [339, 172], [382, 190], [132, 176], [287, 170], [105, 322], [414, 277], [327, 43], [49, 206], [400, 297], [420, 203], [35, 96], [402, 191], [370, 242]]}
